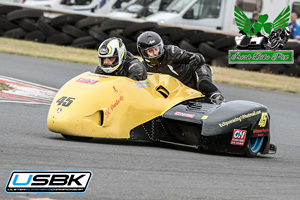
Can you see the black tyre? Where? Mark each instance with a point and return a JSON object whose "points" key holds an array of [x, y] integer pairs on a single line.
{"points": [[187, 46], [6, 25], [118, 35], [115, 24], [97, 33], [45, 27], [66, 19], [167, 30], [131, 47], [249, 67], [60, 39], [253, 146], [177, 36], [204, 37], [37, 36], [224, 42], [21, 14], [293, 46], [89, 22], [295, 71], [220, 61], [73, 31], [17, 33], [28, 25], [209, 51], [1, 31], [134, 28], [77, 138], [85, 42], [274, 68], [7, 9]]}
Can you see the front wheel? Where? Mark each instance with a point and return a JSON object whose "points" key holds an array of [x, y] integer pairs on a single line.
{"points": [[77, 138], [253, 146]]}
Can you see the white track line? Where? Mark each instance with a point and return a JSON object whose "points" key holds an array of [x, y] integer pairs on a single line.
{"points": [[27, 82]]}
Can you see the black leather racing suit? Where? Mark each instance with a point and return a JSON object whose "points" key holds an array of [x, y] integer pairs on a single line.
{"points": [[131, 68], [175, 62]]}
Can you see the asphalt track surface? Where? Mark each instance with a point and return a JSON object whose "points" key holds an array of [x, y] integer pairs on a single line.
{"points": [[140, 170]]}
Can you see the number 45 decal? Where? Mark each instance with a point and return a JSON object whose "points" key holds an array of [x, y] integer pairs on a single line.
{"points": [[65, 101]]}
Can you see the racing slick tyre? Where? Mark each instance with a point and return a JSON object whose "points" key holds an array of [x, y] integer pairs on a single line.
{"points": [[76, 138], [253, 146]]}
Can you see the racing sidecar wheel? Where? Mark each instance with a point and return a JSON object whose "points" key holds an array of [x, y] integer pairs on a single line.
{"points": [[253, 146], [76, 138]]}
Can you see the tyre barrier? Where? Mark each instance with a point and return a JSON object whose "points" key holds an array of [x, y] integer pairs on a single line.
{"points": [[88, 32]]}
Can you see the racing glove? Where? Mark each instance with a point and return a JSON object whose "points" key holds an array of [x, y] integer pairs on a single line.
{"points": [[196, 60], [217, 98]]}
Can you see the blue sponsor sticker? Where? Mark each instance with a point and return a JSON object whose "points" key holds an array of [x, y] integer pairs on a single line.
{"points": [[142, 84], [24, 181]]}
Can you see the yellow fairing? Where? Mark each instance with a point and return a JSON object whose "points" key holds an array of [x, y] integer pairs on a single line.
{"points": [[109, 107]]}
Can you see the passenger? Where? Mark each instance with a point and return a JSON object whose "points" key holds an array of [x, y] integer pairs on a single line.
{"points": [[189, 68], [115, 60]]}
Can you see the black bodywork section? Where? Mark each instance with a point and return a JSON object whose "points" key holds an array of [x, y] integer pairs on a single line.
{"points": [[208, 126]]}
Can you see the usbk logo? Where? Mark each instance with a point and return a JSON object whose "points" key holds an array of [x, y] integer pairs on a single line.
{"points": [[48, 181]]}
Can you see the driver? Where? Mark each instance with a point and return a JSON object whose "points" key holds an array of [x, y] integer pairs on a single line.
{"points": [[189, 68], [115, 60]]}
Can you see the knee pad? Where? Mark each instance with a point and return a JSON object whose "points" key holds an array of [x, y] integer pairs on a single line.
{"points": [[204, 72]]}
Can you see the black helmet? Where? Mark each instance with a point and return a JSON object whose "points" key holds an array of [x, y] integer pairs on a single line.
{"points": [[112, 47], [148, 40]]}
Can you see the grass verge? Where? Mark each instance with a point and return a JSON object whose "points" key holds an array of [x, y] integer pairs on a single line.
{"points": [[221, 75]]}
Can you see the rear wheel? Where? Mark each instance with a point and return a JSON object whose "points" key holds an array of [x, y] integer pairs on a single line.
{"points": [[77, 138], [253, 146]]}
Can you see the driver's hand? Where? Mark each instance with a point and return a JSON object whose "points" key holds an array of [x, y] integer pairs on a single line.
{"points": [[196, 60], [217, 98]]}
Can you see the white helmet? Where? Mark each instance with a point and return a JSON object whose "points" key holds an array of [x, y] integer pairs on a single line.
{"points": [[112, 47]]}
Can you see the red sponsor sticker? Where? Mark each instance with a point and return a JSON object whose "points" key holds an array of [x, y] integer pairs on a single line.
{"points": [[264, 130], [238, 137], [184, 114], [87, 81]]}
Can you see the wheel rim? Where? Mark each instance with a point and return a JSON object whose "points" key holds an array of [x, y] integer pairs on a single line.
{"points": [[255, 144]]}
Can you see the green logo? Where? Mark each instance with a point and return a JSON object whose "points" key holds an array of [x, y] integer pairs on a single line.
{"points": [[244, 24], [262, 35]]}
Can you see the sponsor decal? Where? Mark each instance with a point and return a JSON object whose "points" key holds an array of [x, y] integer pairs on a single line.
{"points": [[48, 181], [238, 137], [204, 117], [240, 118], [142, 84], [151, 41], [261, 57], [103, 51], [184, 114], [111, 108], [263, 120], [264, 130], [87, 81], [59, 110], [269, 36]]}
